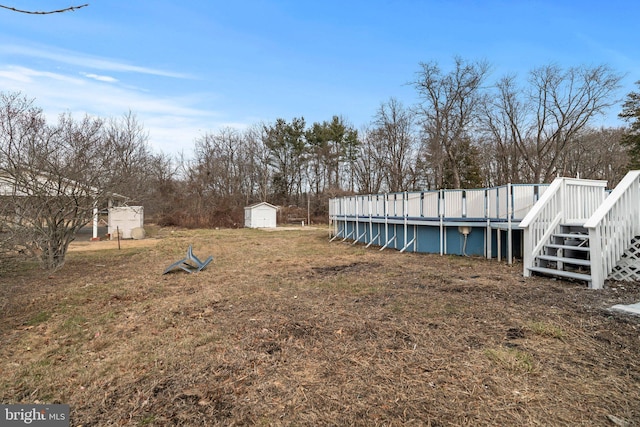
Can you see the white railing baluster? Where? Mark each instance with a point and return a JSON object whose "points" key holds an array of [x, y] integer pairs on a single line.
{"points": [[613, 226], [536, 221], [566, 201]]}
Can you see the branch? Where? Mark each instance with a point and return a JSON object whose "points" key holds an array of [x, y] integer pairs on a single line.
{"points": [[30, 12]]}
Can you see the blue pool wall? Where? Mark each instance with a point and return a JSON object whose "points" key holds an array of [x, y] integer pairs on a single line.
{"points": [[428, 238]]}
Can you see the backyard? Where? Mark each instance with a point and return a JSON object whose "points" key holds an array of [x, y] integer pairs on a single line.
{"points": [[287, 328]]}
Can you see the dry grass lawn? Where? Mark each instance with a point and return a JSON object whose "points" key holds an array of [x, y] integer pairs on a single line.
{"points": [[286, 328]]}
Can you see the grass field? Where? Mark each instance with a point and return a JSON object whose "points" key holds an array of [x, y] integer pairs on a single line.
{"points": [[286, 328]]}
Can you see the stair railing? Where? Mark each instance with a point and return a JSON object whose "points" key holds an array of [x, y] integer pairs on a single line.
{"points": [[612, 227], [566, 201]]}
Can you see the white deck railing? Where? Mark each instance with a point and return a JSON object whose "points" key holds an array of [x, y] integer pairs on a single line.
{"points": [[567, 201], [612, 227], [507, 202]]}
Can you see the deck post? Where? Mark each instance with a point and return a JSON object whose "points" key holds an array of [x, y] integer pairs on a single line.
{"points": [[336, 224], [487, 208], [597, 273], [345, 218], [405, 208], [386, 219], [370, 220], [527, 252], [487, 232], [357, 227], [509, 231], [441, 214]]}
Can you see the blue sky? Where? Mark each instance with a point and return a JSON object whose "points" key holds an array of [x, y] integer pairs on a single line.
{"points": [[189, 67]]}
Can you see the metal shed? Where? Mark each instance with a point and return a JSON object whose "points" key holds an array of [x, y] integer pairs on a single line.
{"points": [[260, 215]]}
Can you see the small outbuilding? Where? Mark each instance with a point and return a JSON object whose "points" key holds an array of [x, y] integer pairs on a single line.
{"points": [[260, 215], [126, 220]]}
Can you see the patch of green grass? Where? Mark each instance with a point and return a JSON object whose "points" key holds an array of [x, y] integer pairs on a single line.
{"points": [[41, 317], [461, 261], [73, 324], [17, 266], [148, 420], [546, 330], [512, 359], [151, 230], [398, 307], [43, 363], [360, 251], [348, 285], [450, 308], [205, 339]]}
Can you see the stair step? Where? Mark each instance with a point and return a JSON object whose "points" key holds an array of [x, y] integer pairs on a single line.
{"points": [[569, 247], [578, 225], [561, 273], [572, 236], [572, 261]]}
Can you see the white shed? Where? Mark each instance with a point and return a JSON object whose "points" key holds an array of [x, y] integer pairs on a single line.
{"points": [[125, 219], [260, 215]]}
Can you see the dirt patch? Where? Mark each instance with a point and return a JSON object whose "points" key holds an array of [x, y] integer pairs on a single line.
{"points": [[353, 267], [290, 329], [102, 245], [290, 228]]}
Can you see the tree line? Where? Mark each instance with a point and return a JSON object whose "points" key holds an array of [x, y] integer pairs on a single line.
{"points": [[465, 132]]}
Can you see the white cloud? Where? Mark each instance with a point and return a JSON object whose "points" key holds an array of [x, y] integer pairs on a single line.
{"points": [[172, 122], [84, 61], [23, 75], [14, 74], [100, 78]]}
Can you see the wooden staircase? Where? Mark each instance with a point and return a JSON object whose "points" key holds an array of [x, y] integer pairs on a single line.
{"points": [[599, 238], [566, 256]]}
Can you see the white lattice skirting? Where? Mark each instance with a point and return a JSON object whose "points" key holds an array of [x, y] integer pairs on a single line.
{"points": [[628, 268]]}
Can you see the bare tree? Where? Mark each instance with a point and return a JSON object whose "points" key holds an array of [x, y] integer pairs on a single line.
{"points": [[397, 142], [162, 191], [501, 120], [533, 126], [126, 142], [597, 154], [53, 176], [448, 112], [230, 169], [50, 175], [369, 167], [220, 160], [20, 123], [260, 172]]}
